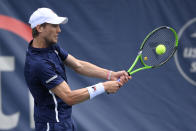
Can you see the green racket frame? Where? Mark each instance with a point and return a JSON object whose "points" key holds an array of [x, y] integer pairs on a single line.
{"points": [[139, 56]]}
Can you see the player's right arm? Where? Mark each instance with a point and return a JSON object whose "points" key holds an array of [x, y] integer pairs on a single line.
{"points": [[72, 97]]}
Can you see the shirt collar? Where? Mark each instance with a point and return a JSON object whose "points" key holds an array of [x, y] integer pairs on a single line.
{"points": [[32, 49]]}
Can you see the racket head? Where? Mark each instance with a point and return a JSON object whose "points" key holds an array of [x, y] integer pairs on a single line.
{"points": [[164, 35]]}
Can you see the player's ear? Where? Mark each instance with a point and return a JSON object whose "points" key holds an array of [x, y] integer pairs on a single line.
{"points": [[39, 28]]}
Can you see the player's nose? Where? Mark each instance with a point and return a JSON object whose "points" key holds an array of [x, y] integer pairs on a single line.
{"points": [[58, 29]]}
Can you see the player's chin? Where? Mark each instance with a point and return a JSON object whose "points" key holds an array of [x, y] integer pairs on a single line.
{"points": [[55, 41]]}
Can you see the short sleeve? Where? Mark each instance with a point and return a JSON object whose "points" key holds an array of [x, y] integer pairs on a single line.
{"points": [[47, 75], [62, 53]]}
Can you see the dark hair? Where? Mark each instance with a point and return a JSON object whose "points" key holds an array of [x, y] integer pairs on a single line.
{"points": [[35, 33]]}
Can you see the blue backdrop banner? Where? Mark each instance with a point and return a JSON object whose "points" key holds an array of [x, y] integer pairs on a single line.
{"points": [[107, 33]]}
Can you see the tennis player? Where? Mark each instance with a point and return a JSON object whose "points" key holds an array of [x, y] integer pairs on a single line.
{"points": [[46, 76]]}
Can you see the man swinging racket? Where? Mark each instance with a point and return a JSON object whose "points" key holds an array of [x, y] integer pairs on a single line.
{"points": [[46, 77]]}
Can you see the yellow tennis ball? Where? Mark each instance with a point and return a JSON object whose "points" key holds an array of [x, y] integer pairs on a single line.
{"points": [[160, 49], [145, 58]]}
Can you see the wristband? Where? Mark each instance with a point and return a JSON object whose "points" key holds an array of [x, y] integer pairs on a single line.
{"points": [[109, 75], [95, 90]]}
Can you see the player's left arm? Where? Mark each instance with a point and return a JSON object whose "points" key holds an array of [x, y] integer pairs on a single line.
{"points": [[91, 70]]}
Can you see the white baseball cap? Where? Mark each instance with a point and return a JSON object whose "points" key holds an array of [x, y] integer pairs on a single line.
{"points": [[46, 15]]}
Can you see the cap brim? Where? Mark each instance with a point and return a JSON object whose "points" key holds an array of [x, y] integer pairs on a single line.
{"points": [[58, 20]]}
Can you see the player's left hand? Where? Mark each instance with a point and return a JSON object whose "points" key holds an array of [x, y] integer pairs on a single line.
{"points": [[123, 75]]}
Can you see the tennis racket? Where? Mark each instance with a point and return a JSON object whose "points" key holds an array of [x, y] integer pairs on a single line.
{"points": [[148, 56]]}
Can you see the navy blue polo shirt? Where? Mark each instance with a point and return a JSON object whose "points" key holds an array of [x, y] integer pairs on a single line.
{"points": [[44, 70]]}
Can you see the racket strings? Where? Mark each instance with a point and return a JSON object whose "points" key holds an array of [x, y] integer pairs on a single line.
{"points": [[162, 36]]}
